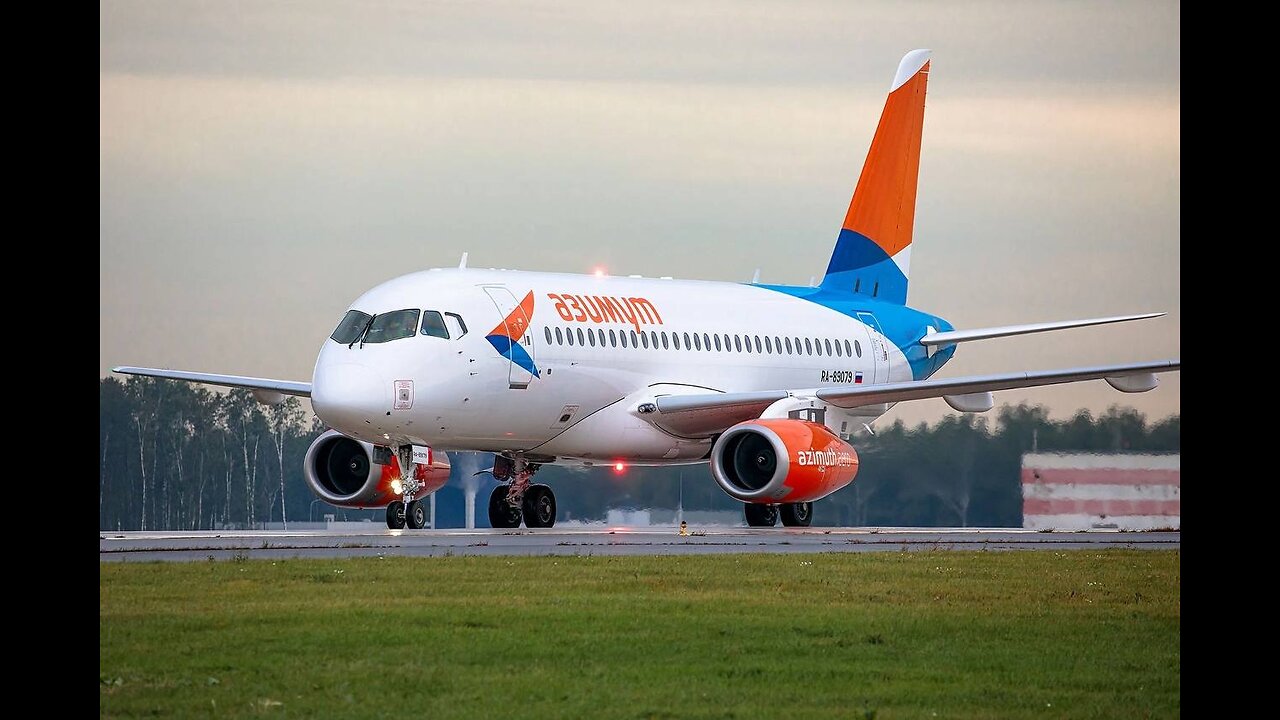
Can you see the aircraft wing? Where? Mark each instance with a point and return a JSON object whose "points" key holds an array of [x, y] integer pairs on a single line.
{"points": [[263, 385], [707, 414]]}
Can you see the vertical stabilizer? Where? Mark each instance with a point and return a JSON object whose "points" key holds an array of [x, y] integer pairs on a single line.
{"points": [[873, 253]]}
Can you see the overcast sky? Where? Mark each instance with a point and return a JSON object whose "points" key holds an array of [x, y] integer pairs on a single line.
{"points": [[263, 163]]}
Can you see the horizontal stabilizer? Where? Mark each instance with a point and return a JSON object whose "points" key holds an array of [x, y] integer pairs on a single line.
{"points": [[956, 336]]}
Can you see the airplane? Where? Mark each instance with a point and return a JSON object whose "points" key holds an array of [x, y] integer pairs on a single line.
{"points": [[769, 384]]}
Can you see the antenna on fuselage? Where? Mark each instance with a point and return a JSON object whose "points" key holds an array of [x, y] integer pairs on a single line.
{"points": [[755, 279], [462, 265]]}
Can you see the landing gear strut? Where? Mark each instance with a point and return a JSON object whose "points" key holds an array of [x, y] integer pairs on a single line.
{"points": [[520, 499], [408, 511]]}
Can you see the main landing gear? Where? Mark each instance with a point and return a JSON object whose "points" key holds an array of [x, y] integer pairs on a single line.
{"points": [[792, 514], [519, 498], [407, 512]]}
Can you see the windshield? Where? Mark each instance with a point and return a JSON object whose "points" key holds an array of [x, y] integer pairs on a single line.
{"points": [[392, 326], [349, 329]]}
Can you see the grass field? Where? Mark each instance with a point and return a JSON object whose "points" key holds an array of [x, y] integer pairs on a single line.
{"points": [[883, 635]]}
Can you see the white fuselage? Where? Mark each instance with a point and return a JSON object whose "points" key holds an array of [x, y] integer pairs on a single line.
{"points": [[695, 337]]}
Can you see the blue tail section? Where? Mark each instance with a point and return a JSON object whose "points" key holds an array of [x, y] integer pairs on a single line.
{"points": [[859, 265]]}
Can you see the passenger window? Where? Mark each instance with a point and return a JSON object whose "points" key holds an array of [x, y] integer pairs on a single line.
{"points": [[697, 341], [653, 335], [644, 339], [757, 343], [665, 346], [635, 343], [857, 347], [569, 333], [591, 338], [847, 351], [688, 345], [728, 344], [828, 343], [559, 337], [600, 331], [457, 328], [675, 340], [788, 346], [717, 343], [839, 352], [808, 347], [777, 344], [737, 343], [581, 341], [548, 331], [613, 338]]}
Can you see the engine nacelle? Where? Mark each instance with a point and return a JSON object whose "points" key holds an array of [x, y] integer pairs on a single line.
{"points": [[782, 461], [342, 471]]}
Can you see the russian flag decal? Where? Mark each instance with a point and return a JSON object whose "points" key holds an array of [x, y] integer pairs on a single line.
{"points": [[857, 378]]}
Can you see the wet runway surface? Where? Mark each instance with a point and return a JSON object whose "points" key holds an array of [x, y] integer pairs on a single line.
{"points": [[598, 540]]}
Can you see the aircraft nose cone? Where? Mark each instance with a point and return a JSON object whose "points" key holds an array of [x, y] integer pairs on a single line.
{"points": [[349, 397]]}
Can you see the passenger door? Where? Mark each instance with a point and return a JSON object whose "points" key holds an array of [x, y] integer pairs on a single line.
{"points": [[876, 346], [512, 337]]}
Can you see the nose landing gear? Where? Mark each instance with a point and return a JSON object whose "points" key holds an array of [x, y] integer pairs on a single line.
{"points": [[407, 512]]}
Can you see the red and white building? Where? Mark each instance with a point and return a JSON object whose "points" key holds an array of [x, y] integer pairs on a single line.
{"points": [[1082, 491]]}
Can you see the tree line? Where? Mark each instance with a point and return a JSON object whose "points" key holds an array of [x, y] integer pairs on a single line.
{"points": [[178, 456]]}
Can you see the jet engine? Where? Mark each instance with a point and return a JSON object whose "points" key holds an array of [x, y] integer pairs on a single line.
{"points": [[782, 461], [343, 472]]}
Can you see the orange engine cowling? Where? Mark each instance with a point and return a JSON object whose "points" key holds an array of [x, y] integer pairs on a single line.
{"points": [[782, 461], [341, 470]]}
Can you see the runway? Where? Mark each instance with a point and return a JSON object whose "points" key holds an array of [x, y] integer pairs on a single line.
{"points": [[599, 540]]}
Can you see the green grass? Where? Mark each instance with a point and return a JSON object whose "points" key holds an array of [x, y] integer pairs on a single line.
{"points": [[884, 635]]}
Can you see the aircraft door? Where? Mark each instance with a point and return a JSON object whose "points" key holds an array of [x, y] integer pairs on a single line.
{"points": [[513, 338], [876, 346]]}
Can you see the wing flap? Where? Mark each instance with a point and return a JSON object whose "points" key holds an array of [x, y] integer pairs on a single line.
{"points": [[695, 416]]}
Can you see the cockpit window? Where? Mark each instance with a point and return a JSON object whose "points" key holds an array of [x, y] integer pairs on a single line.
{"points": [[455, 323], [433, 325], [392, 325], [351, 326]]}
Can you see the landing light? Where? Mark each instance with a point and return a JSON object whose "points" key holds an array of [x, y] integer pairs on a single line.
{"points": [[396, 487]]}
